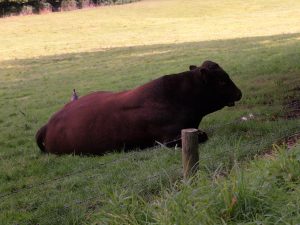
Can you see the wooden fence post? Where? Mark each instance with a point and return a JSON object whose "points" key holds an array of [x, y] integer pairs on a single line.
{"points": [[190, 156]]}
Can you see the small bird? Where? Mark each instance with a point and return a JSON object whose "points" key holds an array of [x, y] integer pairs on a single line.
{"points": [[74, 96]]}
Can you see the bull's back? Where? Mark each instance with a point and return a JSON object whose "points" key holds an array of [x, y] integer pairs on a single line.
{"points": [[69, 127], [95, 123]]}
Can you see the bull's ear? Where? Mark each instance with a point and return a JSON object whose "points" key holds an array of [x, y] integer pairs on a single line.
{"points": [[192, 67]]}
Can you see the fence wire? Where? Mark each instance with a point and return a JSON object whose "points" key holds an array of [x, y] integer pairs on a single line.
{"points": [[52, 181], [203, 157]]}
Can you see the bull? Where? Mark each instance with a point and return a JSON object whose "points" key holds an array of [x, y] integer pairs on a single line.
{"points": [[156, 111]]}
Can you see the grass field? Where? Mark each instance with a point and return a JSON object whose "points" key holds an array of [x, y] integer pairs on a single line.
{"points": [[43, 57]]}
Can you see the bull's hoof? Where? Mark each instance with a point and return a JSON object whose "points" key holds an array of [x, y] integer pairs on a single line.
{"points": [[202, 136]]}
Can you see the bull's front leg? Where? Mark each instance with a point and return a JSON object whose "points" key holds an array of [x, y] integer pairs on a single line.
{"points": [[202, 136]]}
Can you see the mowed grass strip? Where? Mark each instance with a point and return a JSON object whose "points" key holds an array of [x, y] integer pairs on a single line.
{"points": [[144, 187], [144, 23]]}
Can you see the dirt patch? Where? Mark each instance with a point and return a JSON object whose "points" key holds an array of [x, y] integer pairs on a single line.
{"points": [[292, 109], [292, 104], [288, 141]]}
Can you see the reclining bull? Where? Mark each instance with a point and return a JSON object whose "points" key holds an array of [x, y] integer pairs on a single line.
{"points": [[156, 111]]}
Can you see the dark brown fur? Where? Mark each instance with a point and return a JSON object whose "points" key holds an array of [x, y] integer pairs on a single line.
{"points": [[156, 111]]}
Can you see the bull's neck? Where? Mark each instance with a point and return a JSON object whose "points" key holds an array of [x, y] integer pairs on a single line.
{"points": [[183, 90], [186, 90]]}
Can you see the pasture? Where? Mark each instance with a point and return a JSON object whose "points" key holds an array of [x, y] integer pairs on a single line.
{"points": [[43, 57]]}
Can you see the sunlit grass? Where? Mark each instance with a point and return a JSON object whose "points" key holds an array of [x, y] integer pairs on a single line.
{"points": [[145, 23]]}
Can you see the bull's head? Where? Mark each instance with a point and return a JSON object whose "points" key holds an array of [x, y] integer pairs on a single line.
{"points": [[219, 88]]}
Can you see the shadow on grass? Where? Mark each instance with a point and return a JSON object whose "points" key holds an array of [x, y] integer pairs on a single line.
{"points": [[32, 89], [241, 56]]}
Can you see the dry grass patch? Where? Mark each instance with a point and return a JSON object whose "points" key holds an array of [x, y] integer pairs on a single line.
{"points": [[144, 23]]}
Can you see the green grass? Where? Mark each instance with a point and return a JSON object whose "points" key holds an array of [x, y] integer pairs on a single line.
{"points": [[266, 191], [145, 187]]}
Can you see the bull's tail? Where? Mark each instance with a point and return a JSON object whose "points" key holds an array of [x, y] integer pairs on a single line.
{"points": [[40, 137]]}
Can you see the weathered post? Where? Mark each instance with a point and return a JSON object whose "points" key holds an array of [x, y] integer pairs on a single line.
{"points": [[190, 156]]}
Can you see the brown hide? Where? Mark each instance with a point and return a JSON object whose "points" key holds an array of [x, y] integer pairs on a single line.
{"points": [[157, 111]]}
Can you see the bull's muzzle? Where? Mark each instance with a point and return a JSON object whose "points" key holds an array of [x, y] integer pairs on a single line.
{"points": [[237, 98]]}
